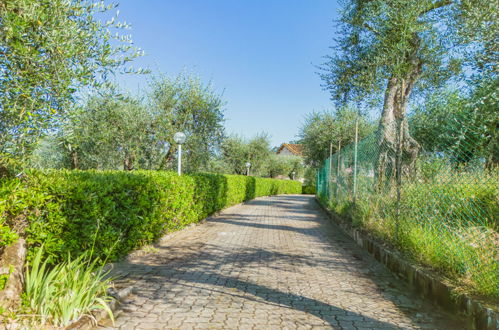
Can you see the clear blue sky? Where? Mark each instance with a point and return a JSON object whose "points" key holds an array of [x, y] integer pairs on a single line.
{"points": [[260, 53]]}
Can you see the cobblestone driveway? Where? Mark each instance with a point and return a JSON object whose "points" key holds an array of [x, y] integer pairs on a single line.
{"points": [[272, 263]]}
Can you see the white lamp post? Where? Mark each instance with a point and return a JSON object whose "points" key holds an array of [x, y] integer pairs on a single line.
{"points": [[248, 165], [179, 137], [293, 175]]}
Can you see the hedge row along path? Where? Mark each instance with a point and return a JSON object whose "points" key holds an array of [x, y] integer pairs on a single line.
{"points": [[271, 263]]}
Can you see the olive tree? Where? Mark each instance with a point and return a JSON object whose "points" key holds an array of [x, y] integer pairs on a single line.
{"points": [[460, 126], [116, 131], [234, 155], [49, 51], [236, 151], [185, 104], [289, 166], [323, 130], [389, 49], [110, 132]]}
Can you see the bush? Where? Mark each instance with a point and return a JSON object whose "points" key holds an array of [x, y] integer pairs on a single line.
{"points": [[65, 210], [11, 207], [308, 190]]}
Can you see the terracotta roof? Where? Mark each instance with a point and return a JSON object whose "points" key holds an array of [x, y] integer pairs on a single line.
{"points": [[295, 149]]}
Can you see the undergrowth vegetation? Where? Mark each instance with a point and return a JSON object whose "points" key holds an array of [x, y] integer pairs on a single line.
{"points": [[447, 220], [61, 294]]}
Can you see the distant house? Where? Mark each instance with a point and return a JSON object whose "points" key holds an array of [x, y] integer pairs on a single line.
{"points": [[290, 149]]}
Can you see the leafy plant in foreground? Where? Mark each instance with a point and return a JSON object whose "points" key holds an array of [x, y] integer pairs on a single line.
{"points": [[62, 294]]}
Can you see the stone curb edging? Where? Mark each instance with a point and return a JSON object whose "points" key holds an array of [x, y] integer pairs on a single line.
{"points": [[86, 322], [480, 317]]}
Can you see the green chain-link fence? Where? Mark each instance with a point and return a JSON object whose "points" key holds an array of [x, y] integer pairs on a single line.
{"points": [[440, 207]]}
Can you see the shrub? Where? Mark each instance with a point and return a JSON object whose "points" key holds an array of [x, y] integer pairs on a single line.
{"points": [[308, 190], [11, 203], [125, 210]]}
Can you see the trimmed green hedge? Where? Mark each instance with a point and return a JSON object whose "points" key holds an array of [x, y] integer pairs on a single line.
{"points": [[114, 212], [308, 190]]}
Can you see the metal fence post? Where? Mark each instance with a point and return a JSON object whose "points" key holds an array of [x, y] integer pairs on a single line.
{"points": [[355, 160], [398, 164], [330, 172], [338, 160]]}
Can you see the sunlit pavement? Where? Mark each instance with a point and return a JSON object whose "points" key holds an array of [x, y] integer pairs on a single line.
{"points": [[272, 263]]}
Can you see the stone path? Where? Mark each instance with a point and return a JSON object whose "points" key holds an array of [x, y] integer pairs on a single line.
{"points": [[272, 263]]}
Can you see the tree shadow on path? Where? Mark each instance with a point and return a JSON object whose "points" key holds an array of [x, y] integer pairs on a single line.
{"points": [[207, 267]]}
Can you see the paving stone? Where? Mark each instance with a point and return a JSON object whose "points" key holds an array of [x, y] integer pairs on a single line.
{"points": [[271, 263], [149, 325], [128, 326]]}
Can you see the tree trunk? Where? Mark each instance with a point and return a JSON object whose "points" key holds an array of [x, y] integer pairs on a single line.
{"points": [[11, 266], [74, 158], [167, 161], [128, 161], [394, 140]]}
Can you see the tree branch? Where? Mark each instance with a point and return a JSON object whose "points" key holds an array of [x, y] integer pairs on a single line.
{"points": [[370, 28], [436, 5]]}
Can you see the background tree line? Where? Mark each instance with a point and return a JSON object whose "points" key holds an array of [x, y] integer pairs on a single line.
{"points": [[59, 107], [236, 151], [115, 131]]}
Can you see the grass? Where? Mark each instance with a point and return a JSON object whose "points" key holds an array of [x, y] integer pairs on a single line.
{"points": [[447, 222], [60, 295]]}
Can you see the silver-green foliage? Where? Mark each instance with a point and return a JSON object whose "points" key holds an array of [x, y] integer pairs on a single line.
{"points": [[110, 132], [321, 129], [236, 151], [389, 51], [116, 131], [462, 127], [288, 166], [414, 42], [49, 50], [184, 103]]}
